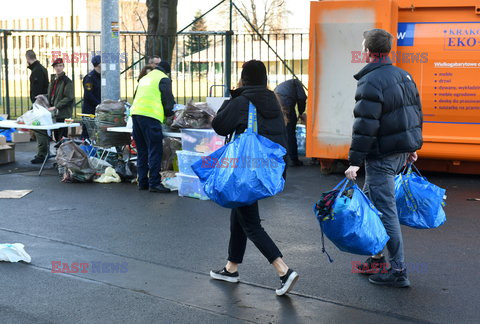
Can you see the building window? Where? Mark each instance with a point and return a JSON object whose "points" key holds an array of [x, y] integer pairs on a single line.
{"points": [[56, 23], [77, 22], [61, 23], [33, 23], [46, 23], [28, 41], [33, 41], [41, 23]]}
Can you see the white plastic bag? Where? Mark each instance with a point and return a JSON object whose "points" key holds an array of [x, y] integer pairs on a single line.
{"points": [[109, 176], [37, 113], [13, 253]]}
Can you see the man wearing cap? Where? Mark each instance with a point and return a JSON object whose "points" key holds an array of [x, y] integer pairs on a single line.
{"points": [[153, 101], [91, 91], [61, 100]]}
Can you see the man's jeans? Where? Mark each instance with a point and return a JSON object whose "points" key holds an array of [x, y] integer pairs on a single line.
{"points": [[380, 188]]}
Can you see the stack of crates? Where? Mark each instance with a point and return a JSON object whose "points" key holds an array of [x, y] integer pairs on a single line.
{"points": [[196, 144]]}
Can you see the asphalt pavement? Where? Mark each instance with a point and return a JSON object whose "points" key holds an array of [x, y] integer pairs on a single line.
{"points": [[149, 256]]}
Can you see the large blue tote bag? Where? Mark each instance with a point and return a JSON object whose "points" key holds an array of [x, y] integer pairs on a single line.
{"points": [[419, 202], [247, 169]]}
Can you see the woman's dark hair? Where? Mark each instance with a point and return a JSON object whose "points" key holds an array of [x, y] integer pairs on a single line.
{"points": [[254, 73]]}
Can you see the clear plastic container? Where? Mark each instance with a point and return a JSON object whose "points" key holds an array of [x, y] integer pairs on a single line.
{"points": [[301, 139], [190, 186], [201, 140], [186, 159]]}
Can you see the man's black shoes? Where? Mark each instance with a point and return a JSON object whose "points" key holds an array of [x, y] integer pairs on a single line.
{"points": [[392, 278]]}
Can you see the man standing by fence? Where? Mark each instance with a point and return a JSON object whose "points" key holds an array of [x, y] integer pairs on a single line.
{"points": [[38, 77], [38, 86], [91, 91]]}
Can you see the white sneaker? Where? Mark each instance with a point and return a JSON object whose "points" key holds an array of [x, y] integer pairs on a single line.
{"points": [[224, 275], [288, 281]]}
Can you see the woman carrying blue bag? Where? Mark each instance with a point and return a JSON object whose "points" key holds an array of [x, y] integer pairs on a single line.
{"points": [[232, 118]]}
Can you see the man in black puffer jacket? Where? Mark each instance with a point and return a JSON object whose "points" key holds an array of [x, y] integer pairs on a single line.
{"points": [[386, 134], [245, 221]]}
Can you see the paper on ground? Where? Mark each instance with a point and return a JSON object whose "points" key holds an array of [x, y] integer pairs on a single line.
{"points": [[14, 193]]}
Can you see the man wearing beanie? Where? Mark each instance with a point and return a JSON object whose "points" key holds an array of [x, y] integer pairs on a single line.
{"points": [[153, 102], [245, 221], [91, 91]]}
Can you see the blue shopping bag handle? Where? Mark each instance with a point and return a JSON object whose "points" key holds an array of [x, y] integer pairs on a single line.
{"points": [[252, 118]]}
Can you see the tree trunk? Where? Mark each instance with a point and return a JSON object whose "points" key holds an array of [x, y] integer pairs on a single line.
{"points": [[162, 27]]}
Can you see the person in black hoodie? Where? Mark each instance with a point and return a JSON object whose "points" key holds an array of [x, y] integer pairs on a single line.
{"points": [[245, 221], [39, 76]]}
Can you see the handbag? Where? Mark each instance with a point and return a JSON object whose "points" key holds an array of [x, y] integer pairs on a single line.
{"points": [[419, 202], [353, 224], [245, 170]]}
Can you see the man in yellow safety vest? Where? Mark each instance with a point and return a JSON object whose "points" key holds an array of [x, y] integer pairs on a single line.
{"points": [[152, 103]]}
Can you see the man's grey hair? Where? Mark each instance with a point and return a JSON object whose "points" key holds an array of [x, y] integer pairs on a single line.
{"points": [[30, 54]]}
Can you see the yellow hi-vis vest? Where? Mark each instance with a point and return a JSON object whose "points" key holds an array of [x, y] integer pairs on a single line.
{"points": [[148, 100]]}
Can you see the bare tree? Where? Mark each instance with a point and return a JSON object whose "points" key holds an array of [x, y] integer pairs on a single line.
{"points": [[266, 16], [162, 27]]}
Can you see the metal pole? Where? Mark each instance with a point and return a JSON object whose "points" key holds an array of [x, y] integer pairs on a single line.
{"points": [[110, 50], [228, 55], [73, 49], [5, 62]]}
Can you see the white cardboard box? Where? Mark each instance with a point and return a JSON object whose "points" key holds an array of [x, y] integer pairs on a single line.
{"points": [[20, 137]]}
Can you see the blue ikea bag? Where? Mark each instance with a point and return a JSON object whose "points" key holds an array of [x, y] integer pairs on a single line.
{"points": [[247, 169], [419, 202], [353, 224]]}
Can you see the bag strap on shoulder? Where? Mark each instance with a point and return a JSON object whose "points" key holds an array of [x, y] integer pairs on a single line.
{"points": [[252, 118]]}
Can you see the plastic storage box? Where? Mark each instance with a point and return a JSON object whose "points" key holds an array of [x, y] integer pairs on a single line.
{"points": [[186, 159], [301, 134], [201, 140], [190, 186]]}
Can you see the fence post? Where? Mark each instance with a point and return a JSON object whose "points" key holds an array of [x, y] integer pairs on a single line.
{"points": [[228, 55], [73, 49], [5, 62], [228, 62]]}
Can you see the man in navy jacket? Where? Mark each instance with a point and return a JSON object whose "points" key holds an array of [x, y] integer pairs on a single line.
{"points": [[91, 90], [387, 132]]}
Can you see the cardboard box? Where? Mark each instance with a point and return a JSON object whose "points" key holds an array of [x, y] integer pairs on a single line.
{"points": [[75, 131], [7, 152], [20, 137], [3, 140]]}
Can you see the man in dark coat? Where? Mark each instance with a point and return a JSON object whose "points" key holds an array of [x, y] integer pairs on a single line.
{"points": [[91, 91], [387, 132], [38, 77], [61, 100], [290, 94]]}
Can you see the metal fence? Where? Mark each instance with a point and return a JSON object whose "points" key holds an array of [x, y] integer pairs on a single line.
{"points": [[198, 61]]}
